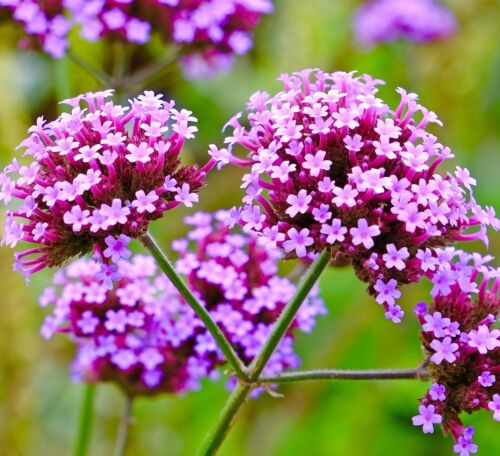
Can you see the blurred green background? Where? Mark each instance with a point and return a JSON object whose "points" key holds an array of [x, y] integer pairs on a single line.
{"points": [[457, 78]]}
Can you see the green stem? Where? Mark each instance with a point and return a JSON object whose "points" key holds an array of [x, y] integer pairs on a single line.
{"points": [[228, 416], [336, 374], [287, 316], [235, 402], [85, 423], [215, 331], [100, 76], [125, 423], [142, 76]]}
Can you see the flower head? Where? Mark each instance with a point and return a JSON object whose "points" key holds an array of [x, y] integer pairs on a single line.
{"points": [[363, 184], [414, 20], [96, 179], [464, 348], [137, 331]]}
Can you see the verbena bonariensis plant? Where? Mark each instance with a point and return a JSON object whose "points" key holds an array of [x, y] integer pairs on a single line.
{"points": [[98, 176], [135, 329], [209, 32], [333, 167], [420, 21], [463, 347], [335, 175]]}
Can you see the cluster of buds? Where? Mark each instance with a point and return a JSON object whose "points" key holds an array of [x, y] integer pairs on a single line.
{"points": [[98, 176], [132, 327], [333, 167], [421, 21], [209, 32], [462, 345]]}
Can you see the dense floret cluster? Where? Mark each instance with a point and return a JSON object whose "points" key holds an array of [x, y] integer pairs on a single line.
{"points": [[209, 32], [333, 167], [131, 326], [98, 176], [421, 21], [237, 278], [462, 344]]}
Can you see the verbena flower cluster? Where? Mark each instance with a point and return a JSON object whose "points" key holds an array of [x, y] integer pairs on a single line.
{"points": [[98, 175], [333, 167], [131, 326], [421, 21], [237, 278], [463, 346], [210, 32]]}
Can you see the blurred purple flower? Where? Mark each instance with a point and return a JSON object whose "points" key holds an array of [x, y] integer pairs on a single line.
{"points": [[421, 21]]}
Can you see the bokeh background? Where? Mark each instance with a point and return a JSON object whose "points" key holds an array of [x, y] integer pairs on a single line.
{"points": [[457, 78]]}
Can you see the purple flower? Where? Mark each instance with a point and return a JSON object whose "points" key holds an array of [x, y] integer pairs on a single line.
{"points": [[486, 379], [96, 173], [387, 292], [326, 155], [209, 32], [436, 324], [444, 350], [364, 234], [437, 392], [494, 406], [132, 327], [458, 328], [427, 418], [414, 20], [484, 339], [298, 241]]}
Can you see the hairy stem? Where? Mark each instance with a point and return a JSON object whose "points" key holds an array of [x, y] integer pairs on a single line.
{"points": [[99, 75], [185, 292], [418, 373], [125, 423], [85, 421], [235, 402]]}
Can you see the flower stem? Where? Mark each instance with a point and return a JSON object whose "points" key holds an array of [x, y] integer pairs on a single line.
{"points": [[336, 374], [125, 423], [143, 75], [99, 75], [85, 422], [235, 402], [287, 316], [215, 331]]}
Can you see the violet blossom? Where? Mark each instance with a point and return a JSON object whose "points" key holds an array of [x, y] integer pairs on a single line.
{"points": [[334, 167], [209, 32], [462, 344], [97, 178], [139, 333], [420, 21]]}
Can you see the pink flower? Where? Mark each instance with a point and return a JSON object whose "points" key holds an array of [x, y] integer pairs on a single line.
{"points": [[427, 418], [444, 350], [298, 241], [363, 234]]}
